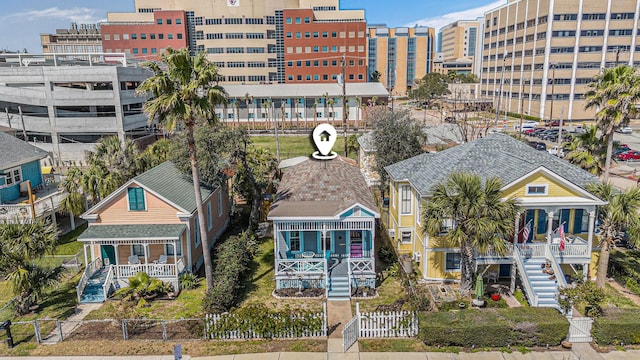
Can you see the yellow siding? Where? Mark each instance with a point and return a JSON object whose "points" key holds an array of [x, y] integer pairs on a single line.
{"points": [[555, 189], [435, 267]]}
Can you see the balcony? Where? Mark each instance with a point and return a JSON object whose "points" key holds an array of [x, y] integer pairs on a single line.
{"points": [[47, 200], [576, 249]]}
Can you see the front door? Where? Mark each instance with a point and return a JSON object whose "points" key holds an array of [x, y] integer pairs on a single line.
{"points": [[340, 243], [108, 254]]}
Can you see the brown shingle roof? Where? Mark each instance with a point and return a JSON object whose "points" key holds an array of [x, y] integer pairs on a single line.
{"points": [[316, 188]]}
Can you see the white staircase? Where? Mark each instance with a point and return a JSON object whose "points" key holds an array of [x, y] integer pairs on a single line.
{"points": [[542, 284]]}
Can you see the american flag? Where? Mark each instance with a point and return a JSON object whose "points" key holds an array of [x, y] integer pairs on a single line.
{"points": [[561, 234], [526, 231]]}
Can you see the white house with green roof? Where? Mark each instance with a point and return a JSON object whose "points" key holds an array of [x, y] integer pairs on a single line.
{"points": [[149, 224]]}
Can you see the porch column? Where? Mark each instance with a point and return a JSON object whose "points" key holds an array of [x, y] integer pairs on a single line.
{"points": [[592, 223], [175, 253], [145, 247], [516, 229], [115, 249], [72, 220], [585, 271], [549, 226], [86, 258], [514, 273]]}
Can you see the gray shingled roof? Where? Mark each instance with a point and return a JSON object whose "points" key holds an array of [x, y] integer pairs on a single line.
{"points": [[14, 152], [496, 155], [320, 188], [366, 142], [167, 181], [130, 232]]}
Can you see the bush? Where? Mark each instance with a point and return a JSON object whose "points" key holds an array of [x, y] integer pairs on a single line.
{"points": [[188, 280], [233, 257], [617, 327], [387, 255], [625, 266], [480, 328]]}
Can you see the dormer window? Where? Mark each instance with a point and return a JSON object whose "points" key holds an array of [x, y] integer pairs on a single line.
{"points": [[537, 189], [136, 199]]}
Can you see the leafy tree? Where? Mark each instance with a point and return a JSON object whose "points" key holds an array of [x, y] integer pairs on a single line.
{"points": [[141, 288], [619, 214], [614, 95], [585, 292], [431, 86], [375, 76], [155, 154], [256, 171], [352, 144], [587, 151], [183, 93], [478, 216], [396, 137], [20, 246]]}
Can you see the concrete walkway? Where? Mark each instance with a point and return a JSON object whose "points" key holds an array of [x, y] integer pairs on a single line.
{"points": [[338, 314], [69, 324]]}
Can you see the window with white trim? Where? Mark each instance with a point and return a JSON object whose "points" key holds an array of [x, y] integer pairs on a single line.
{"points": [[219, 203], [13, 176], [405, 199], [168, 250], [197, 229], [537, 189], [137, 250], [452, 262], [405, 237], [294, 241]]}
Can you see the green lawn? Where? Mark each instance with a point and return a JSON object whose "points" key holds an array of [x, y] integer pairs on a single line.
{"points": [[67, 244], [293, 146]]}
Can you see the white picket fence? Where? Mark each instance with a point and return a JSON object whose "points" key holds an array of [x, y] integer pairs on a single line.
{"points": [[250, 332], [387, 324], [580, 329]]}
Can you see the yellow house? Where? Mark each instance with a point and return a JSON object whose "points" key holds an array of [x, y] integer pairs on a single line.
{"points": [[551, 192]]}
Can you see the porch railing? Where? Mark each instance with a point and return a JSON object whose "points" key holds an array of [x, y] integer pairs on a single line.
{"points": [[108, 281], [306, 266], [555, 265], [533, 297], [22, 212], [153, 270], [492, 253], [361, 265], [91, 269]]}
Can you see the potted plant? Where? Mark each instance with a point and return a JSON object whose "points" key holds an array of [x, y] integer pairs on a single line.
{"points": [[479, 292], [495, 296]]}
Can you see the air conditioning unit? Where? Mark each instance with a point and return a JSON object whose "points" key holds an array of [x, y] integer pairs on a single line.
{"points": [[392, 233], [417, 256]]}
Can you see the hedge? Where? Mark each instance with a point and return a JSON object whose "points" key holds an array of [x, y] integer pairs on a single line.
{"points": [[524, 326], [625, 267], [616, 327]]}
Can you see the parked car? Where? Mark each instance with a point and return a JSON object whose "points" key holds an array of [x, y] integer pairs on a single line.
{"points": [[624, 130], [537, 131], [553, 123], [630, 155], [549, 134], [538, 145], [554, 151]]}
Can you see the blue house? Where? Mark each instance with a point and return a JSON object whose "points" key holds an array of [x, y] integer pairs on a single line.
{"points": [[324, 228], [19, 163]]}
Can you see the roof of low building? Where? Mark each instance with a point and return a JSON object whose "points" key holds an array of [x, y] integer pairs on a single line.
{"points": [[316, 188], [169, 182], [306, 90], [15, 152], [497, 155], [129, 232]]}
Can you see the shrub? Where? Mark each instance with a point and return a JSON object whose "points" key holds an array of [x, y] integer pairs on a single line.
{"points": [[617, 327], [494, 327], [387, 254], [585, 292], [189, 280], [233, 257]]}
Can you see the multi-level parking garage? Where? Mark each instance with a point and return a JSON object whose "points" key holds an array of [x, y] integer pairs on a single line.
{"points": [[65, 103]]}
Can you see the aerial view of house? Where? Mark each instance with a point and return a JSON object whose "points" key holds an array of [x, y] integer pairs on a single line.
{"points": [[324, 228], [551, 192], [149, 224]]}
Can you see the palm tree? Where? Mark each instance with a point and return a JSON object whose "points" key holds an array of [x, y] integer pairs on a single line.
{"points": [[587, 151], [74, 200], [620, 213], [315, 111], [21, 245], [477, 216], [332, 102], [182, 96], [325, 102], [358, 104], [613, 94]]}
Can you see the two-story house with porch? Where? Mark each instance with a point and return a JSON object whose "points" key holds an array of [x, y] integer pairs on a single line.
{"points": [[324, 228], [149, 224], [21, 175], [551, 192]]}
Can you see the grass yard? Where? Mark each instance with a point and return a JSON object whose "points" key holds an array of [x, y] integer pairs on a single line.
{"points": [[389, 291], [67, 244], [392, 345], [293, 146]]}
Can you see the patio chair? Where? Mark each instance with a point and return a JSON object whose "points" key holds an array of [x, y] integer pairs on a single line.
{"points": [[492, 276], [162, 259], [133, 260]]}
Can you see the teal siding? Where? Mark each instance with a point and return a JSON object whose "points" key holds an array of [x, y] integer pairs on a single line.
{"points": [[9, 193], [31, 171]]}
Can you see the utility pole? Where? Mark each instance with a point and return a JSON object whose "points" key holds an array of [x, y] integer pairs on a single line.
{"points": [[504, 61], [344, 102], [24, 131], [521, 106], [560, 132]]}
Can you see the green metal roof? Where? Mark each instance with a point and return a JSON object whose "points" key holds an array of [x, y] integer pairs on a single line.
{"points": [[130, 232], [167, 181]]}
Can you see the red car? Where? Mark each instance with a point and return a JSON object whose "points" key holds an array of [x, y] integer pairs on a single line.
{"points": [[631, 155]]}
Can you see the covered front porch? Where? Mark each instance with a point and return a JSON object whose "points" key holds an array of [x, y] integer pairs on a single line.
{"points": [[124, 250], [315, 253]]}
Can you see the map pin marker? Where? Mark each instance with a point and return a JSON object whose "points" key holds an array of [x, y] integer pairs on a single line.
{"points": [[324, 136]]}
